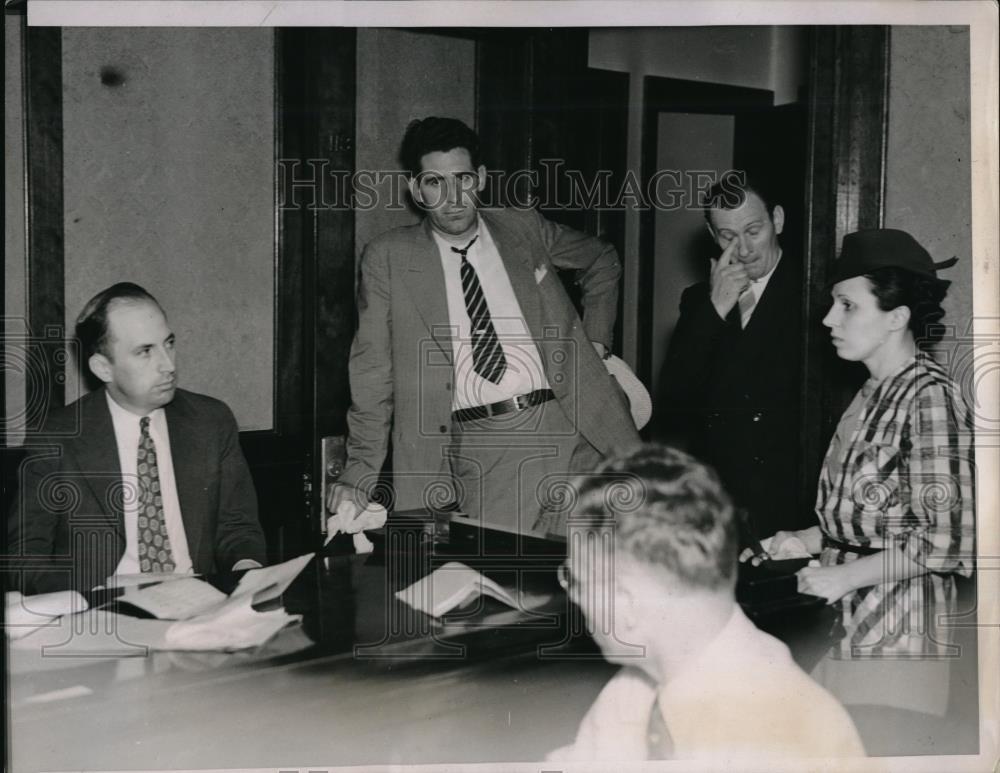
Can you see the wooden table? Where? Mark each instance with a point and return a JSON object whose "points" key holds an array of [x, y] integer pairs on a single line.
{"points": [[363, 680]]}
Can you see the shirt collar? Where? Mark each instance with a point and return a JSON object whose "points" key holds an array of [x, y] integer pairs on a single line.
{"points": [[732, 638], [760, 284], [124, 417], [445, 246]]}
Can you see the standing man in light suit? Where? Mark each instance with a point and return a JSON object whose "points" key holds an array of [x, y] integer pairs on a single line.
{"points": [[470, 356]]}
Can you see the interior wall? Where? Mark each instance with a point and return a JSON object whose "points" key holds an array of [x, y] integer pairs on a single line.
{"points": [[928, 171], [169, 182], [765, 57], [402, 76], [685, 142]]}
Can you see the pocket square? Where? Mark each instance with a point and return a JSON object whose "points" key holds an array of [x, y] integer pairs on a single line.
{"points": [[540, 274]]}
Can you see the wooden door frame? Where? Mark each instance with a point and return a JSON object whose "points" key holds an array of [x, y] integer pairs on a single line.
{"points": [[848, 131]]}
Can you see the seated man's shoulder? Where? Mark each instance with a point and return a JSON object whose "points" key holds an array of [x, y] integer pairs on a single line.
{"points": [[197, 404]]}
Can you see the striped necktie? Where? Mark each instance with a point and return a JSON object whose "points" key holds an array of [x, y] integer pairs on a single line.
{"points": [[155, 554], [747, 301], [487, 355]]}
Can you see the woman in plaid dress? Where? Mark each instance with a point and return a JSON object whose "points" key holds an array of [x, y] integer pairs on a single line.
{"points": [[896, 498]]}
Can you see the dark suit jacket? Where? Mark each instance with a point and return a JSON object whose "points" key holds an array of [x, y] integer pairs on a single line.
{"points": [[68, 528], [732, 395]]}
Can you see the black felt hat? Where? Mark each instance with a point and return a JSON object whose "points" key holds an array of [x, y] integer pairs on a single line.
{"points": [[865, 251]]}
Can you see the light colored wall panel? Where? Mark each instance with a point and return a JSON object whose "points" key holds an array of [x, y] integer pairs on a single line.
{"points": [[169, 182], [928, 171], [686, 142]]}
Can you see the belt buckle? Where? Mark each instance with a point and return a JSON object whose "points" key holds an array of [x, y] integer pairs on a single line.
{"points": [[521, 402]]}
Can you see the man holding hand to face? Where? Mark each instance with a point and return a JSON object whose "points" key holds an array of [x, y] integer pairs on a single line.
{"points": [[732, 371]]}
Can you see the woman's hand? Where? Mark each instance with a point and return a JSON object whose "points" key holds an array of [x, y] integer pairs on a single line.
{"points": [[829, 582]]}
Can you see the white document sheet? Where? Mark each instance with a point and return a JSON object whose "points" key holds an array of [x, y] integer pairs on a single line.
{"points": [[455, 585], [175, 600], [25, 614], [269, 582]]}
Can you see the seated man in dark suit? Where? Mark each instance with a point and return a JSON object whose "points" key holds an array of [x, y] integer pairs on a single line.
{"points": [[732, 374], [137, 476]]}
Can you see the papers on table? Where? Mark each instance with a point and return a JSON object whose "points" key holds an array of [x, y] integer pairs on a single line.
{"points": [[269, 582], [143, 578], [25, 614], [455, 585], [187, 597], [792, 547], [206, 618], [234, 625], [176, 600]]}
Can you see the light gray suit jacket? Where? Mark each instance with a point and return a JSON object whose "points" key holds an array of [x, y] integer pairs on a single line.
{"points": [[401, 365]]}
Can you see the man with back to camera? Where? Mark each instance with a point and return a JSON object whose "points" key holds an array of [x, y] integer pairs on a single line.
{"points": [[470, 356], [156, 478], [652, 565], [731, 377]]}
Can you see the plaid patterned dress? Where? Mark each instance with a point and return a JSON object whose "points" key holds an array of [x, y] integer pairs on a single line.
{"points": [[900, 474]]}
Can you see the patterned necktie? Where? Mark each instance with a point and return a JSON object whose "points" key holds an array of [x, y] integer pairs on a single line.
{"points": [[487, 355], [747, 301], [154, 545]]}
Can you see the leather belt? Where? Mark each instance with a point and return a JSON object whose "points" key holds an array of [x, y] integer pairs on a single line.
{"points": [[518, 403], [863, 550]]}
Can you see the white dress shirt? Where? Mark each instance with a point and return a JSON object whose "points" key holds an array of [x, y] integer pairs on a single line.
{"points": [[127, 434], [524, 372], [741, 697]]}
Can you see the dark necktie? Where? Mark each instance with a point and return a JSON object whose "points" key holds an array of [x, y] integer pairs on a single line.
{"points": [[487, 355], [154, 545]]}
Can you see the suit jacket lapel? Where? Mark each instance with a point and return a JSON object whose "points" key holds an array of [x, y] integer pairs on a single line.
{"points": [[184, 453], [427, 288], [97, 457], [769, 305], [516, 256]]}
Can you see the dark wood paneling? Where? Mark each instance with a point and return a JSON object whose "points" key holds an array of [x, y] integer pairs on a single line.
{"points": [[504, 72], [43, 117], [848, 119], [669, 95], [540, 111], [314, 296]]}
